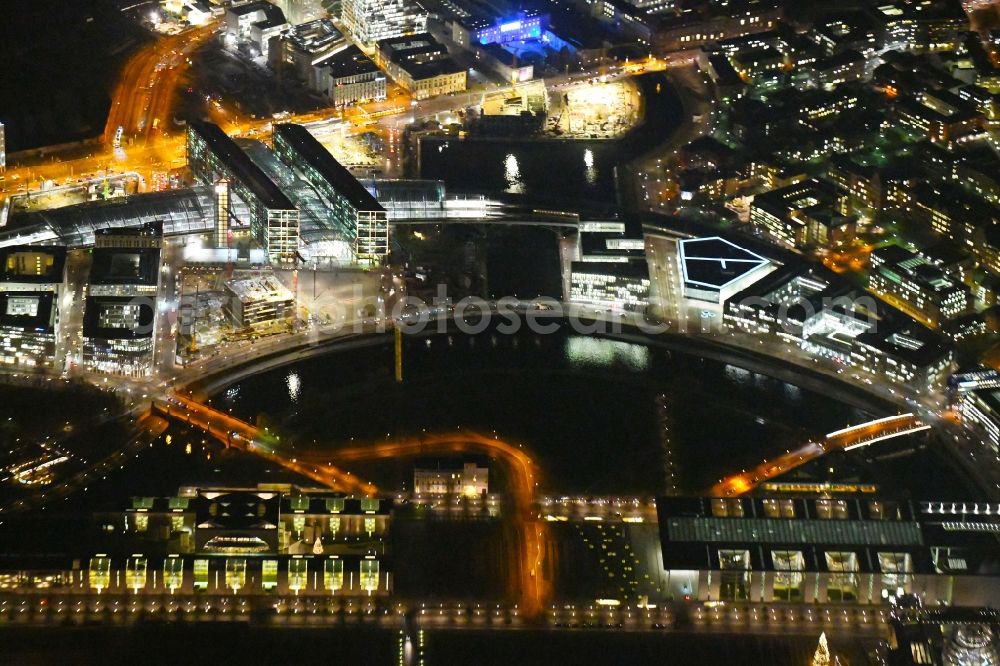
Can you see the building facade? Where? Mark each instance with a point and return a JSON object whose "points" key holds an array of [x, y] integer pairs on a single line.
{"points": [[358, 216], [372, 20], [272, 218], [827, 550], [258, 302]]}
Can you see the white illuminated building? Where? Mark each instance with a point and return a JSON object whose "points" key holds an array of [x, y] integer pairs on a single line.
{"points": [[612, 285], [450, 477], [714, 269], [32, 283], [372, 20], [259, 301]]}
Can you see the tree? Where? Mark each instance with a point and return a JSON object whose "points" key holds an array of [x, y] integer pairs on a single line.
{"points": [[822, 655]]}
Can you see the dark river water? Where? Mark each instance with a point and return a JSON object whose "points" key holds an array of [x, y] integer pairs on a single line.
{"points": [[578, 171], [597, 414]]}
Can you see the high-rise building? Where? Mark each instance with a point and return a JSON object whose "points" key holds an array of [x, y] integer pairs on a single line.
{"points": [[358, 217], [31, 282], [3, 148], [372, 20], [272, 217]]}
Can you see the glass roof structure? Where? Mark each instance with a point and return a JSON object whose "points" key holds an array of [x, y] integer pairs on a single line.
{"points": [[184, 211]]}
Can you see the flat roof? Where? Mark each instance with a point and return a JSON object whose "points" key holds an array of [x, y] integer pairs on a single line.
{"points": [[28, 310], [628, 269], [406, 42], [136, 266], [97, 305], [241, 166], [715, 262], [318, 157], [349, 61], [264, 288], [32, 263]]}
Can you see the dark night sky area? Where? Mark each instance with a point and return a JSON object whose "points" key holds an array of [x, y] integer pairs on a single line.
{"points": [[58, 63]]}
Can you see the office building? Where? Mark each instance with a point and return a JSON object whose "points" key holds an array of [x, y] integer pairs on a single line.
{"points": [[28, 328], [505, 63], [146, 236], [256, 202], [449, 476], [715, 22], [922, 25], [914, 284], [118, 335], [359, 218], [255, 23], [116, 271], [299, 12], [526, 26], [120, 310], [32, 280], [713, 269], [349, 76], [33, 268], [856, 551], [613, 285], [939, 115], [827, 316], [301, 51], [269, 539], [977, 394], [370, 21], [421, 65], [798, 215], [287, 519], [258, 302]]}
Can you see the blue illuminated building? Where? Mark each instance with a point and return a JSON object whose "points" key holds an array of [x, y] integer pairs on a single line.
{"points": [[529, 26]]}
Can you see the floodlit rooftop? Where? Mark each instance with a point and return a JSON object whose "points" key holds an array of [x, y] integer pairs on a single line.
{"points": [[264, 288], [715, 262]]}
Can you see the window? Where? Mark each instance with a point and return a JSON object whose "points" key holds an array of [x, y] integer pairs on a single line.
{"points": [[842, 583], [784, 508], [727, 508], [896, 570], [100, 572], [735, 576], [333, 574], [789, 567], [135, 573], [173, 573], [236, 573], [201, 574], [831, 509], [298, 574], [369, 574], [269, 574]]}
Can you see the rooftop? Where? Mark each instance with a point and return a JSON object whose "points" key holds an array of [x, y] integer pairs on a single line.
{"points": [[132, 266], [28, 311], [266, 288], [241, 166], [319, 158], [117, 317], [349, 61], [32, 263], [715, 262]]}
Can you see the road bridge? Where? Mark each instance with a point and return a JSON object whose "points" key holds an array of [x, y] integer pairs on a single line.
{"points": [[845, 439]]}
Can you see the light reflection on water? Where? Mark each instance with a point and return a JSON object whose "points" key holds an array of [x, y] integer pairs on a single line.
{"points": [[584, 351], [512, 174], [589, 171], [294, 384]]}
